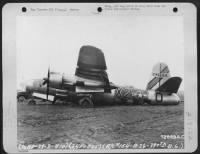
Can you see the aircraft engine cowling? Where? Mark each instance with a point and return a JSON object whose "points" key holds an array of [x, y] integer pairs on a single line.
{"points": [[154, 97], [56, 80]]}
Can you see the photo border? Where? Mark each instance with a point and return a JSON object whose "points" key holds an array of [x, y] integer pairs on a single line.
{"points": [[36, 1]]}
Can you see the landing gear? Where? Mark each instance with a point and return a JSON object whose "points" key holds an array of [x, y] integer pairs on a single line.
{"points": [[86, 102], [31, 102], [54, 100], [141, 101]]}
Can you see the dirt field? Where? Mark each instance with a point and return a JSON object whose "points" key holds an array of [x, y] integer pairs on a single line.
{"points": [[60, 124]]}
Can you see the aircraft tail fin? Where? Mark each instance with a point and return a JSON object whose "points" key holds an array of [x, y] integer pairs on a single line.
{"points": [[160, 74]]}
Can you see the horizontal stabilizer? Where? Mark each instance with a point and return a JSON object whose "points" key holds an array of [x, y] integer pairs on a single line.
{"points": [[171, 85]]}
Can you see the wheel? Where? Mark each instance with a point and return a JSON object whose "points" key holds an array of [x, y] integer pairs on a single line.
{"points": [[141, 101], [54, 100], [85, 102], [21, 99], [31, 102]]}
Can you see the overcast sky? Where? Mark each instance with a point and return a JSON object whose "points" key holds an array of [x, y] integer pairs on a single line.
{"points": [[132, 45]]}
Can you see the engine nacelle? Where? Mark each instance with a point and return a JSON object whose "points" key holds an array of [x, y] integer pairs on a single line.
{"points": [[55, 80], [60, 81], [154, 97]]}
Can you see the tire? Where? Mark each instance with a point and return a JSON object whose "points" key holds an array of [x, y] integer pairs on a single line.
{"points": [[54, 101], [141, 101], [31, 102], [21, 99], [86, 102]]}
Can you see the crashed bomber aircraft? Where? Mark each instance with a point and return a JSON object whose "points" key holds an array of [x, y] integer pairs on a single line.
{"points": [[91, 84]]}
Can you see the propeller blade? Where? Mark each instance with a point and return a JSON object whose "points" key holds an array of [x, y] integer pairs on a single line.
{"points": [[44, 81], [48, 76]]}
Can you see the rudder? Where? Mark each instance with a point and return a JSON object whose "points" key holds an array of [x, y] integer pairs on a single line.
{"points": [[160, 74]]}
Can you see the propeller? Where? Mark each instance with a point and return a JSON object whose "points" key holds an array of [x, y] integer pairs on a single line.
{"points": [[46, 81], [48, 76]]}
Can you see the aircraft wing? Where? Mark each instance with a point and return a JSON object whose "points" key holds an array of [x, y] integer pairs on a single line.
{"points": [[171, 85]]}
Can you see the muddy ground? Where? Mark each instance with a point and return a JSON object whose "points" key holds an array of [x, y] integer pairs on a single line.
{"points": [[60, 124]]}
